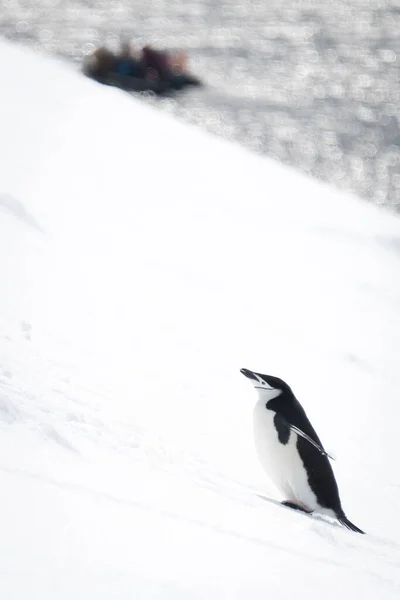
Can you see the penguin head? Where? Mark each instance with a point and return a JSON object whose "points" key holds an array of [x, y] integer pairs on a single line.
{"points": [[267, 386]]}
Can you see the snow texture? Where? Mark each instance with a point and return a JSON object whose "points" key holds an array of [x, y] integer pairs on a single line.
{"points": [[142, 264]]}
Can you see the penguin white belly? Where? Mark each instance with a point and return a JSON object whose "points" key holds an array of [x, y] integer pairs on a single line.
{"points": [[281, 462]]}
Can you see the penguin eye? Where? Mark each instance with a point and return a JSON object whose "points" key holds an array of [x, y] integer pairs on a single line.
{"points": [[263, 383]]}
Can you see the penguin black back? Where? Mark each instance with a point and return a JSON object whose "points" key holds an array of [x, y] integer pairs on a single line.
{"points": [[319, 470]]}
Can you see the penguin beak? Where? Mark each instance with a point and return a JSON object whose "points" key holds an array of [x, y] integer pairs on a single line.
{"points": [[249, 374], [257, 382]]}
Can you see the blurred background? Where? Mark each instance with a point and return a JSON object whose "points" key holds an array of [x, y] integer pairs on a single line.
{"points": [[314, 84]]}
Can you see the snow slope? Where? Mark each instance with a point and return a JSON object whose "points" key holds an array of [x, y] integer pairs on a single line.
{"points": [[142, 264]]}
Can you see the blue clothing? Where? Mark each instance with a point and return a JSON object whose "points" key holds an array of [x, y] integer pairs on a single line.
{"points": [[128, 66]]}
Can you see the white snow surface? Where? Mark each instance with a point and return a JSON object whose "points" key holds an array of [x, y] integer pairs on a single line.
{"points": [[142, 264]]}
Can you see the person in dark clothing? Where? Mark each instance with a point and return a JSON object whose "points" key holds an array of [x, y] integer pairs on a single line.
{"points": [[155, 63], [101, 62], [149, 69]]}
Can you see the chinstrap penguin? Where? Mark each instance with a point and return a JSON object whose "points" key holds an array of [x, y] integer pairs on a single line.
{"points": [[291, 452]]}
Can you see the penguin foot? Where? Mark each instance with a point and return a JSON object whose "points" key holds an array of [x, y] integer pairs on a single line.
{"points": [[297, 506]]}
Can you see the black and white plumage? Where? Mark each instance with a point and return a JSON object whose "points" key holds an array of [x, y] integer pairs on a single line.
{"points": [[291, 452]]}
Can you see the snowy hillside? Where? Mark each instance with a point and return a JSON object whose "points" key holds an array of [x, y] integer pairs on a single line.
{"points": [[142, 264]]}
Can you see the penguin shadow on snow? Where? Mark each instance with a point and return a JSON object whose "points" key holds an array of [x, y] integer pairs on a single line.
{"points": [[291, 452]]}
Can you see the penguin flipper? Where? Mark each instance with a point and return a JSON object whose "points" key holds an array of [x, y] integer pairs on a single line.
{"points": [[309, 439], [345, 521], [298, 422]]}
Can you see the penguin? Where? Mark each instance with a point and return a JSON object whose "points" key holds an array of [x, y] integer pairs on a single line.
{"points": [[291, 452]]}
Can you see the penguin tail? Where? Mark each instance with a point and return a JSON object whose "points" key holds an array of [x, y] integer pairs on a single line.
{"points": [[346, 523]]}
